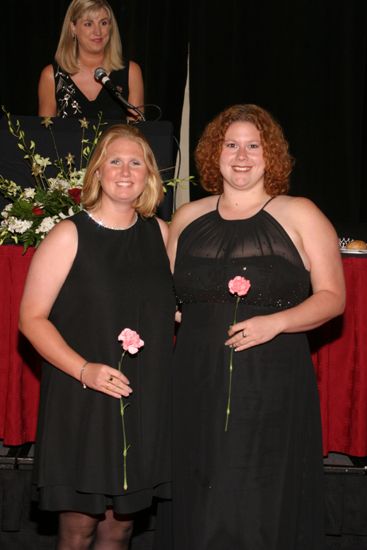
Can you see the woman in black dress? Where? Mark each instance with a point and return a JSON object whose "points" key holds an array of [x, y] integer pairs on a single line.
{"points": [[247, 447], [89, 39], [95, 274]]}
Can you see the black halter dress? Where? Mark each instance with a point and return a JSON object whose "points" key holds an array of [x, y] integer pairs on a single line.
{"points": [[257, 486]]}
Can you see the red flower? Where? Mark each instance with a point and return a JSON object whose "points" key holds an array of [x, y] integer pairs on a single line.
{"points": [[75, 194], [38, 211]]}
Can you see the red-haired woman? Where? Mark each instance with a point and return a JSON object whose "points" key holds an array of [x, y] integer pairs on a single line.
{"points": [[247, 446]]}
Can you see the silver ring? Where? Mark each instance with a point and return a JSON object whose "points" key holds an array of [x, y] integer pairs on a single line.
{"points": [[244, 334]]}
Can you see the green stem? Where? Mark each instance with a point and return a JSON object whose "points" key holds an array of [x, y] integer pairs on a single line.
{"points": [[126, 446], [124, 438], [81, 150], [228, 409], [55, 146], [235, 310]]}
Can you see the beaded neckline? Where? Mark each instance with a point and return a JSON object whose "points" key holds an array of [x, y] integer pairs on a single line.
{"points": [[101, 223]]}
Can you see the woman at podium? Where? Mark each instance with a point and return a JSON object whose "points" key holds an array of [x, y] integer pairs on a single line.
{"points": [[89, 40]]}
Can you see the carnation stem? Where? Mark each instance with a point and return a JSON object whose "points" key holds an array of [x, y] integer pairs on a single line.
{"points": [[126, 446], [228, 410], [124, 438]]}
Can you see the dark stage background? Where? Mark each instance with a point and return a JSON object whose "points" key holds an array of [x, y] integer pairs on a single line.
{"points": [[303, 60]]}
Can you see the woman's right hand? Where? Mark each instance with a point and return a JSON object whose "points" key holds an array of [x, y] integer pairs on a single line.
{"points": [[105, 379]]}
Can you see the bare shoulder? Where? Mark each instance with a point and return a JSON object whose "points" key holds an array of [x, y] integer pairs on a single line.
{"points": [[46, 93], [134, 68], [189, 212], [59, 246], [47, 74], [308, 227], [297, 212]]}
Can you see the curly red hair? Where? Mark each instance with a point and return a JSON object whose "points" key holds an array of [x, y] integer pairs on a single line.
{"points": [[278, 162]]}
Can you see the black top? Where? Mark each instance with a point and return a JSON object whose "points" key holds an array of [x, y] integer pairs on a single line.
{"points": [[71, 102]]}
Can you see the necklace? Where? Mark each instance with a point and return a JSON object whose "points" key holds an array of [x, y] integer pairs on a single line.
{"points": [[100, 222]]}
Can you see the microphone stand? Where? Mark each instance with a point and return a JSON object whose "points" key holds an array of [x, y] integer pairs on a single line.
{"points": [[128, 105]]}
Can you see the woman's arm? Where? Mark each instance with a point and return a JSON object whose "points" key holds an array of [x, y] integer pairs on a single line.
{"points": [[320, 245], [46, 93], [47, 273], [136, 86]]}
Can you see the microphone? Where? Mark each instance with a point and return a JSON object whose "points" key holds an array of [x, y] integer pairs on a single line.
{"points": [[101, 76]]}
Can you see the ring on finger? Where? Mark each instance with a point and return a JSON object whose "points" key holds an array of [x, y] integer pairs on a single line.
{"points": [[244, 334]]}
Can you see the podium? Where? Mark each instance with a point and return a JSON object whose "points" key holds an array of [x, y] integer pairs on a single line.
{"points": [[68, 134]]}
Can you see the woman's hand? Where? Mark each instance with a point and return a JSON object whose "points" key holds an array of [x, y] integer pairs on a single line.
{"points": [[105, 379], [252, 332]]}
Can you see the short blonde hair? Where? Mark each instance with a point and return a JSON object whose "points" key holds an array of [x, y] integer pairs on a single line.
{"points": [[152, 195], [67, 50]]}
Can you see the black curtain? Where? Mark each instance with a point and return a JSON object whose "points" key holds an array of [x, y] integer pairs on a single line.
{"points": [[154, 34], [304, 61]]}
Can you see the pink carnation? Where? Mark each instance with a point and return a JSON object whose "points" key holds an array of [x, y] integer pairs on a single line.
{"points": [[131, 340], [239, 285]]}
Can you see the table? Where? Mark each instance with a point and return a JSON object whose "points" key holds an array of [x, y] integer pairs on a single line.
{"points": [[339, 352], [19, 364], [340, 357]]}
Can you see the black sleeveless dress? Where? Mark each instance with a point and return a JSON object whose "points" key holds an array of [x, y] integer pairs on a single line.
{"points": [[119, 279], [257, 486], [71, 102]]}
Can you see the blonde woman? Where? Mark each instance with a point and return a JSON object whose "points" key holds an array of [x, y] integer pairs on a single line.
{"points": [[95, 274], [89, 39]]}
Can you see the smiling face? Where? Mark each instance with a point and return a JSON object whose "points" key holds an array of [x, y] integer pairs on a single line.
{"points": [[92, 31], [123, 173], [241, 161]]}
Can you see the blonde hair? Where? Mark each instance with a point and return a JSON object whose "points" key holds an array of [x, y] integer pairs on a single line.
{"points": [[152, 195], [67, 50]]}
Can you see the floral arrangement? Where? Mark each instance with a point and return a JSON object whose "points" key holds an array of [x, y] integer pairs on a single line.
{"points": [[239, 286], [33, 211], [131, 343]]}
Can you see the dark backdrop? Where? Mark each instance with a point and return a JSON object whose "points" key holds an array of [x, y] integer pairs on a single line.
{"points": [[303, 60]]}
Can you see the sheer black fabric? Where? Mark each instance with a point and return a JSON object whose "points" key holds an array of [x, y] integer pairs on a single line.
{"points": [[257, 486]]}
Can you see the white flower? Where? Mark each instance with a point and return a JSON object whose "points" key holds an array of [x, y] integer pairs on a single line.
{"points": [[29, 193], [71, 212], [13, 189], [41, 161], [15, 225], [46, 224], [58, 184], [76, 178], [6, 210]]}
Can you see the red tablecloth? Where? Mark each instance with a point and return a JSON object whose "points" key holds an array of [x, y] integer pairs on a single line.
{"points": [[340, 359], [19, 364], [339, 354]]}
